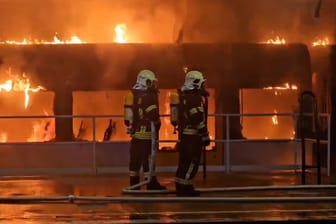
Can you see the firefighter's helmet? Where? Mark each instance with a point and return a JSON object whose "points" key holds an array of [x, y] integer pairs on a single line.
{"points": [[146, 79], [194, 80]]}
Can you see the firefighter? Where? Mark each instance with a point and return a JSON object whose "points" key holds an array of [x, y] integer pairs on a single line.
{"points": [[140, 109], [189, 116]]}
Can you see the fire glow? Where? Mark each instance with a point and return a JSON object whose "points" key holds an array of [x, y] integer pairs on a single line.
{"points": [[275, 118], [279, 103], [276, 40], [120, 33], [56, 40], [120, 36], [19, 84], [285, 86], [321, 42]]}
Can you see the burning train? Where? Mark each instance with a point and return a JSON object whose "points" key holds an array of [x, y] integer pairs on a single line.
{"points": [[44, 80], [236, 86]]}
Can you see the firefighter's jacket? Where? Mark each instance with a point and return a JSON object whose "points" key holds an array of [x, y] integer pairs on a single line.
{"points": [[189, 112], [140, 108]]}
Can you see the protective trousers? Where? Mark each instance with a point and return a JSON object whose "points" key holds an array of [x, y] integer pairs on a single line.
{"points": [[190, 149], [140, 153]]}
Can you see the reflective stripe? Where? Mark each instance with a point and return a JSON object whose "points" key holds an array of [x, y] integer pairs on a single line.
{"points": [[147, 174], [189, 131], [183, 181], [190, 169], [151, 107], [200, 109], [140, 113], [134, 173], [142, 135], [193, 111], [201, 125]]}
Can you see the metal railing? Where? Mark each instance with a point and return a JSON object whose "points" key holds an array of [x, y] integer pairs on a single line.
{"points": [[316, 124], [227, 140]]}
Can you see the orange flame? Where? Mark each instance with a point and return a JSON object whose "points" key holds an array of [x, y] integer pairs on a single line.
{"points": [[276, 40], [276, 89], [321, 42], [275, 118], [56, 40], [20, 84], [120, 33], [42, 131], [286, 86]]}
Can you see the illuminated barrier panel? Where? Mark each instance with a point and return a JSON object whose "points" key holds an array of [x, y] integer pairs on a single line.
{"points": [[27, 130], [62, 157]]}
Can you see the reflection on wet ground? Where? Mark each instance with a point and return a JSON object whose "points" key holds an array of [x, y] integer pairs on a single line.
{"points": [[219, 202]]}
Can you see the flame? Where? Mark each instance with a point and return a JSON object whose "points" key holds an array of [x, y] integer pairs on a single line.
{"points": [[18, 84], [120, 33], [73, 40], [276, 40], [42, 131], [275, 118], [321, 42], [286, 86]]}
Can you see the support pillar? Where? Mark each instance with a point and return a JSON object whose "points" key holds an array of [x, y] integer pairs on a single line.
{"points": [[63, 104]]}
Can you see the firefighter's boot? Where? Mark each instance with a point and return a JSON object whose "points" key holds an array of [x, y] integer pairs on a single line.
{"points": [[186, 190], [155, 185], [135, 180]]}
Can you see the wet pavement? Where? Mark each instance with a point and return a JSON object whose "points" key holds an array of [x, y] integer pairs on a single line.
{"points": [[225, 198]]}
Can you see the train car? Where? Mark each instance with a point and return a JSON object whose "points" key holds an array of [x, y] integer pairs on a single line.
{"points": [[71, 84]]}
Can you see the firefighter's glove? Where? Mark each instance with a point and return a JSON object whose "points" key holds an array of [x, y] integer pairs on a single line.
{"points": [[205, 139]]}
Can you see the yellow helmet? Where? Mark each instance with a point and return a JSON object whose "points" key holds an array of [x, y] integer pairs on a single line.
{"points": [[194, 80], [146, 78]]}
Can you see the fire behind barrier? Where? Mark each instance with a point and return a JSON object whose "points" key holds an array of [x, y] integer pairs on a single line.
{"points": [[228, 68]]}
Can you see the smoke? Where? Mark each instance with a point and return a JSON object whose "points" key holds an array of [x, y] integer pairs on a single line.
{"points": [[258, 20], [91, 20], [158, 21]]}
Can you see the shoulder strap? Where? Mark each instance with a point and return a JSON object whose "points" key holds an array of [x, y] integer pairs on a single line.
{"points": [[206, 108], [181, 97]]}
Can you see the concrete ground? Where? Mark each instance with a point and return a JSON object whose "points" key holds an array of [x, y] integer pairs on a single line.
{"points": [[226, 198]]}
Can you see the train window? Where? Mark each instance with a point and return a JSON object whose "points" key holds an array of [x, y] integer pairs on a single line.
{"points": [[269, 101]]}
